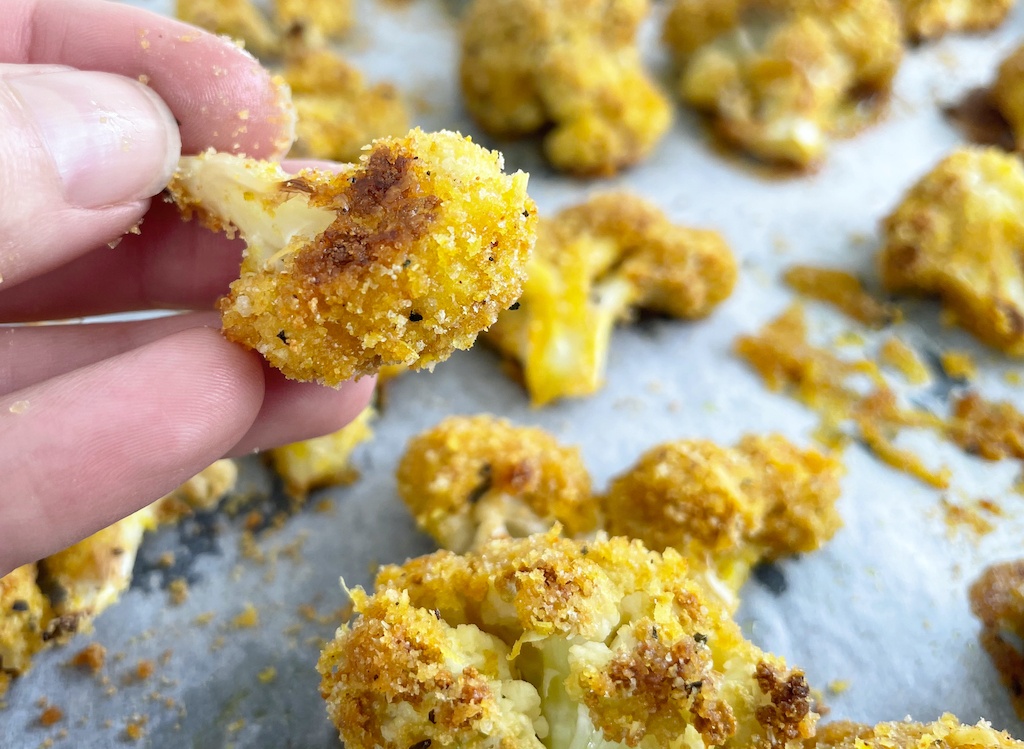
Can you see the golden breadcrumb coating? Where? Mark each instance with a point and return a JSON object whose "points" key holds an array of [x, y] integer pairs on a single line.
{"points": [[24, 613], [930, 19], [544, 639], [473, 478], [240, 19], [400, 259], [997, 599], [726, 509], [322, 461], [958, 235], [317, 21], [778, 77], [1007, 93], [428, 224], [337, 111], [308, 23], [570, 68], [945, 733], [594, 265]]}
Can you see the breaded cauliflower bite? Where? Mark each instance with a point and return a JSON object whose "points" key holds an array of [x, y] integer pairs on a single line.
{"points": [[548, 642], [997, 599], [314, 22], [400, 259], [595, 265], [46, 603], [321, 461], [958, 235], [945, 733], [567, 67], [238, 19], [24, 614], [930, 19], [473, 478], [779, 77], [727, 508], [337, 111]]}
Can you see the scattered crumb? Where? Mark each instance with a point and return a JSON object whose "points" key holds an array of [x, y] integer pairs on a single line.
{"points": [[144, 669], [838, 686], [19, 407], [959, 365], [178, 591], [204, 619], [896, 354], [91, 657], [135, 727], [968, 517], [267, 675], [991, 430], [51, 716], [236, 726], [248, 619], [1013, 378], [324, 506], [849, 338], [843, 291], [166, 560]]}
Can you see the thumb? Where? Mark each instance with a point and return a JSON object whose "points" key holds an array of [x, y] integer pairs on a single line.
{"points": [[81, 153]]}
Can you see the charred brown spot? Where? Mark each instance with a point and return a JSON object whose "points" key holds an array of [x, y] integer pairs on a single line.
{"points": [[790, 704], [656, 679], [522, 476], [382, 211], [485, 485], [1014, 318], [61, 626], [19, 605], [980, 121]]}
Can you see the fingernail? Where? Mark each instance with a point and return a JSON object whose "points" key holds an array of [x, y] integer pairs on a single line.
{"points": [[112, 139]]}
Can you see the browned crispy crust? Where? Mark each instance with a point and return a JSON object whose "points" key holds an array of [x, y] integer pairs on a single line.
{"points": [[997, 599]]}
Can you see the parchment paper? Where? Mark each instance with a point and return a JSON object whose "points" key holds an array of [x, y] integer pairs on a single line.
{"points": [[883, 607]]}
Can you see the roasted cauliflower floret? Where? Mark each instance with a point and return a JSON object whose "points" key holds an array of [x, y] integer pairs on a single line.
{"points": [[24, 613], [310, 22], [778, 77], [46, 603], [726, 509], [322, 461], [200, 493], [239, 19], [945, 733], [400, 259], [86, 579], [997, 599], [316, 20], [337, 111], [570, 67], [958, 235], [929, 19], [594, 265], [473, 478], [612, 644], [1007, 94]]}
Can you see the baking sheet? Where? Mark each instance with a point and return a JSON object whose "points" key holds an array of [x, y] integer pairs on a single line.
{"points": [[883, 607]]}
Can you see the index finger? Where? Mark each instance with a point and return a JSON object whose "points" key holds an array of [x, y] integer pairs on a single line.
{"points": [[221, 96]]}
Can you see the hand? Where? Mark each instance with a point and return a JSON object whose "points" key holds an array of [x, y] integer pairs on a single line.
{"points": [[98, 420]]}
